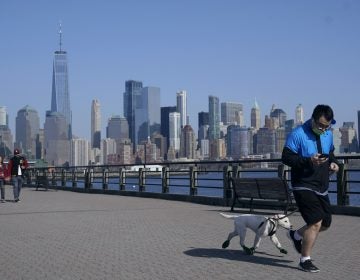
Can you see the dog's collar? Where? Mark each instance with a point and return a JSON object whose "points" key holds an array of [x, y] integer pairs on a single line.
{"points": [[273, 224]]}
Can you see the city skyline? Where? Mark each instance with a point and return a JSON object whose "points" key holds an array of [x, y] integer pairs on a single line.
{"points": [[275, 52]]}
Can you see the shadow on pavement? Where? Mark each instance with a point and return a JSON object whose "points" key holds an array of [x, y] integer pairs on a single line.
{"points": [[237, 255]]}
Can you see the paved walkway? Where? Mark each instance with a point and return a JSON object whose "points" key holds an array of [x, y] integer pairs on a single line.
{"points": [[66, 235]]}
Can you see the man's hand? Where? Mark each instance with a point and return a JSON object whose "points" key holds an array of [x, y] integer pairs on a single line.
{"points": [[317, 159], [333, 167]]}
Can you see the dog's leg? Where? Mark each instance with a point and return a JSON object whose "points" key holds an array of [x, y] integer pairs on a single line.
{"points": [[256, 242], [277, 244], [227, 241], [242, 234]]}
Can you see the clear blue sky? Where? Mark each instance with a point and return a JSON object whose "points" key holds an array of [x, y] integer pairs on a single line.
{"points": [[279, 52]]}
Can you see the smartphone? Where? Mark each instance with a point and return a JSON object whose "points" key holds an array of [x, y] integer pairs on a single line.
{"points": [[323, 156]]}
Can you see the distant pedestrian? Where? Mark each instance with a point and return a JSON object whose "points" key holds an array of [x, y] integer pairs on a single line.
{"points": [[3, 176], [17, 167], [309, 151]]}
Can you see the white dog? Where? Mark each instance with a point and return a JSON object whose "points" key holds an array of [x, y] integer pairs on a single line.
{"points": [[262, 226]]}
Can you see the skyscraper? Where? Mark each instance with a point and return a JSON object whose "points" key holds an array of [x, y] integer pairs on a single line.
{"points": [[203, 119], [255, 116], [60, 98], [237, 142], [27, 130], [277, 117], [299, 114], [231, 113], [117, 128], [265, 141], [187, 142], [181, 105], [108, 147], [175, 131], [358, 131], [3, 116], [214, 118], [132, 101], [6, 138], [95, 124], [147, 114], [79, 152], [56, 139], [349, 141], [165, 127]]}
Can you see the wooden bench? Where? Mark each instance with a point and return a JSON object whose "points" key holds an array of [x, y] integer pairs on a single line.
{"points": [[275, 189]]}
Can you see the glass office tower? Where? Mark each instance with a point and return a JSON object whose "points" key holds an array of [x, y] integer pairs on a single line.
{"points": [[60, 98]]}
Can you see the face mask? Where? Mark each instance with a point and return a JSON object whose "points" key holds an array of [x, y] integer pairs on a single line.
{"points": [[317, 131]]}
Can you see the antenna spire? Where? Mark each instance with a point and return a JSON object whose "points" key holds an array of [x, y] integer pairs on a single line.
{"points": [[60, 35]]}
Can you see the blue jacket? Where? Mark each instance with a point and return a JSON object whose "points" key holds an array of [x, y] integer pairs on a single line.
{"points": [[300, 146]]}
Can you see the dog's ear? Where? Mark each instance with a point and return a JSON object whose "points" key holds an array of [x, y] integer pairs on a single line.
{"points": [[276, 217]]}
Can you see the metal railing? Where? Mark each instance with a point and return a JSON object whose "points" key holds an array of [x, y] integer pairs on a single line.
{"points": [[203, 178]]}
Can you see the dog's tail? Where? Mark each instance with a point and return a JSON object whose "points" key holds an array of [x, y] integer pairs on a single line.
{"points": [[227, 216]]}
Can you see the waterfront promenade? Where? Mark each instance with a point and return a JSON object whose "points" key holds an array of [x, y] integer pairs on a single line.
{"points": [[68, 235]]}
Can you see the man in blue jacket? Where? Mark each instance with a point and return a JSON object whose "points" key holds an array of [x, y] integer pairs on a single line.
{"points": [[309, 151]]}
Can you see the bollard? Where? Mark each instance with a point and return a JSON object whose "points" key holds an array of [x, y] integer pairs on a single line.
{"points": [[193, 180], [165, 180]]}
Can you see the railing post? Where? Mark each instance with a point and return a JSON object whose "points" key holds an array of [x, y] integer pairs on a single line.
{"points": [[193, 180], [63, 178], [74, 179], [88, 178], [53, 178], [236, 171], [165, 180], [342, 186], [227, 174], [141, 179], [105, 179], [122, 179]]}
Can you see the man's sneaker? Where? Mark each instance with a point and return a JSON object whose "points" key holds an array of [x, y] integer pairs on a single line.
{"points": [[308, 266], [2, 200], [296, 243]]}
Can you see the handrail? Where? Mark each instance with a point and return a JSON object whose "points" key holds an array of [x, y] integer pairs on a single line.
{"points": [[201, 176]]}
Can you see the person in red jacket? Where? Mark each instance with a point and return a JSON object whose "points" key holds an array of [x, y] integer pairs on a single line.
{"points": [[17, 167], [3, 176]]}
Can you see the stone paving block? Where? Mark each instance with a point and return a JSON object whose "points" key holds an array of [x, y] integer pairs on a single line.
{"points": [[66, 235]]}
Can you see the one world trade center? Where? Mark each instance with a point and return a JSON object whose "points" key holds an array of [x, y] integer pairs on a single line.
{"points": [[60, 98]]}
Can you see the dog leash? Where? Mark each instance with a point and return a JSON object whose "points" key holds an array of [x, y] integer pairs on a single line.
{"points": [[287, 215]]}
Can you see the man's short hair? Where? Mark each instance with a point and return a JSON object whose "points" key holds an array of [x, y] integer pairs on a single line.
{"points": [[323, 110]]}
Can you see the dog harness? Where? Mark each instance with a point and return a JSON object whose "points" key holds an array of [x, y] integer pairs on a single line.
{"points": [[273, 224]]}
